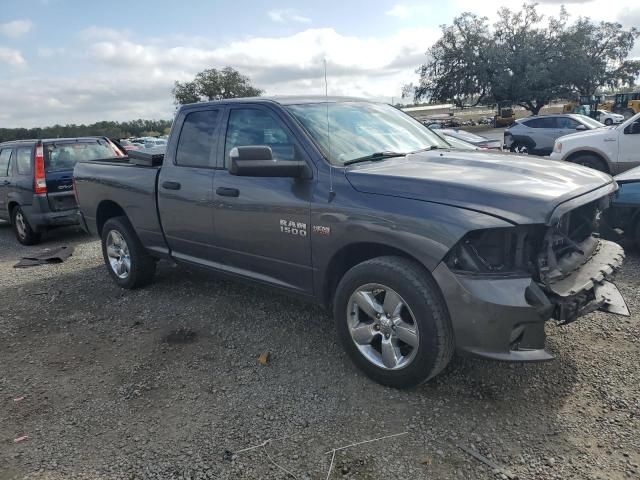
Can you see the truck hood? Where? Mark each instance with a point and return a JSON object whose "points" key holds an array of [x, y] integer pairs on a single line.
{"points": [[590, 134], [520, 189]]}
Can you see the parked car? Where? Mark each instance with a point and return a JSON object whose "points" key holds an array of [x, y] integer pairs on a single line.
{"points": [[155, 142], [624, 213], [537, 134], [418, 249], [129, 145], [477, 140], [609, 118], [612, 150], [36, 188]]}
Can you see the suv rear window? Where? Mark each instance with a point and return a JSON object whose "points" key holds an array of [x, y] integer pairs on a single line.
{"points": [[65, 154]]}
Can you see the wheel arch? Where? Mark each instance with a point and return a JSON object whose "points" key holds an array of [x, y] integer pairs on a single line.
{"points": [[353, 254], [594, 153], [10, 206], [106, 210]]}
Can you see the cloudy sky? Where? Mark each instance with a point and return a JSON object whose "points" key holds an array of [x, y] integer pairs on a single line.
{"points": [[74, 61]]}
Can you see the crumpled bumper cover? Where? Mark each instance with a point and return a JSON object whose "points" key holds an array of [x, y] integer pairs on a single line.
{"points": [[502, 318]]}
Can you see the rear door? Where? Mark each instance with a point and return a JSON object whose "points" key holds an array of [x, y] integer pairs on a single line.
{"points": [[5, 181], [185, 185]]}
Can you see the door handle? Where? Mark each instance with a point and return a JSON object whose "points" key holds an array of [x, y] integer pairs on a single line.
{"points": [[171, 185], [228, 192]]}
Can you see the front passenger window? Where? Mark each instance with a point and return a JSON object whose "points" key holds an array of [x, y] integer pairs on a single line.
{"points": [[248, 126]]}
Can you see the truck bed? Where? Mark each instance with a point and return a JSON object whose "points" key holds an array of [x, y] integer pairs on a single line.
{"points": [[95, 182]]}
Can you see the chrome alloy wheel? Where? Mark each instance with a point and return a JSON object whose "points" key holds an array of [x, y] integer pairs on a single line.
{"points": [[21, 225], [118, 254], [382, 326]]}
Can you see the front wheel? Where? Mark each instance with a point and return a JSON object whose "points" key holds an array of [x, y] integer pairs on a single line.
{"points": [[392, 321], [591, 161], [126, 260], [608, 122]]}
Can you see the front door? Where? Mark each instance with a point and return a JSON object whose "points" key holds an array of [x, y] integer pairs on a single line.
{"points": [[629, 147], [261, 225], [185, 186]]}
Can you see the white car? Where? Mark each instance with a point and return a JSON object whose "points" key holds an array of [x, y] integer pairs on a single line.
{"points": [[609, 118], [612, 150]]}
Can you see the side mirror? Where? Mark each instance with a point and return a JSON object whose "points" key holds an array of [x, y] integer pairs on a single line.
{"points": [[581, 128], [257, 161]]}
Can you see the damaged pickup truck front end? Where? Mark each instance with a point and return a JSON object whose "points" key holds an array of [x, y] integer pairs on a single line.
{"points": [[522, 276]]}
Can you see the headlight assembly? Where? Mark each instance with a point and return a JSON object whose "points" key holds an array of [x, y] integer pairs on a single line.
{"points": [[499, 251]]}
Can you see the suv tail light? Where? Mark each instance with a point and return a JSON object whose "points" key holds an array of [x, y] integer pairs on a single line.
{"points": [[40, 177]]}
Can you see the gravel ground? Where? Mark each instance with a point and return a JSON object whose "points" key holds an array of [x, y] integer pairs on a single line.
{"points": [[165, 383]]}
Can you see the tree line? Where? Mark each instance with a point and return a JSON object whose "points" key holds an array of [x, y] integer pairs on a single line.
{"points": [[133, 128], [525, 59]]}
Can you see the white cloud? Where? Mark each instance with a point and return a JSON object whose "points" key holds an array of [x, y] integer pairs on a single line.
{"points": [[400, 11], [16, 28], [12, 57], [128, 79], [287, 15]]}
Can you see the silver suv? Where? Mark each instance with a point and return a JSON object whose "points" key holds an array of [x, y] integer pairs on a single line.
{"points": [[537, 134]]}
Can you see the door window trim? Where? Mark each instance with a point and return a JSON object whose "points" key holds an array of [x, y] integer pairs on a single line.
{"points": [[216, 138], [252, 106]]}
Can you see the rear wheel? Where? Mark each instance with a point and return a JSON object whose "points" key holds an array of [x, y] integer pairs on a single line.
{"points": [[392, 321], [591, 161], [125, 257], [22, 229], [608, 122]]}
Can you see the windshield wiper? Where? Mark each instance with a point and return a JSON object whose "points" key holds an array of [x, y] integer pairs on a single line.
{"points": [[375, 156], [432, 147]]}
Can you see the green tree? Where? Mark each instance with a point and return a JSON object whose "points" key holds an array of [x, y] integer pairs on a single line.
{"points": [[596, 56], [213, 84], [525, 59], [459, 66]]}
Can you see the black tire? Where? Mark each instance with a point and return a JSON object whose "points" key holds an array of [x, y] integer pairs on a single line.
{"points": [[591, 161], [435, 346], [608, 122], [22, 228], [142, 266], [520, 148]]}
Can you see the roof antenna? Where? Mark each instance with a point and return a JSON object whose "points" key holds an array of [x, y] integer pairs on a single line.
{"points": [[332, 193]]}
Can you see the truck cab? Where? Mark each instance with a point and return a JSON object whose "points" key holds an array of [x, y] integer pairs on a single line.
{"points": [[612, 150]]}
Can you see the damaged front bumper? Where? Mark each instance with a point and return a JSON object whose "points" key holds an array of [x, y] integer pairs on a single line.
{"points": [[503, 318]]}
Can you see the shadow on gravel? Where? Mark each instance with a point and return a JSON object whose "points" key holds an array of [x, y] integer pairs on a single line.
{"points": [[121, 391]]}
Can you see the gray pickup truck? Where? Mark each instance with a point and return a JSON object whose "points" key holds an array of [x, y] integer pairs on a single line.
{"points": [[420, 250]]}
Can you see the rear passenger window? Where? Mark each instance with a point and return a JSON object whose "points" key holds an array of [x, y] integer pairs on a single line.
{"points": [[23, 161], [196, 141], [5, 155], [540, 123]]}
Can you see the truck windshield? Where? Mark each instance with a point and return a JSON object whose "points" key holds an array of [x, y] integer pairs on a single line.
{"points": [[64, 155], [359, 129]]}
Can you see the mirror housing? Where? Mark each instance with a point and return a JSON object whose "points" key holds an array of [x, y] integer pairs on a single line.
{"points": [[257, 161], [581, 128]]}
